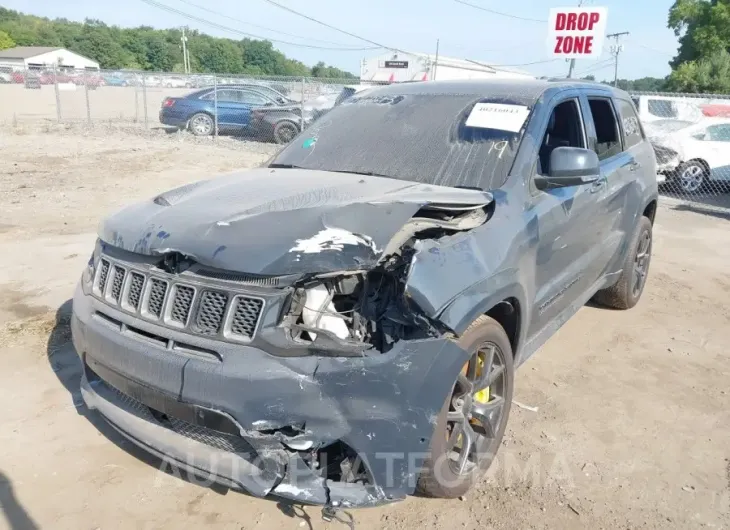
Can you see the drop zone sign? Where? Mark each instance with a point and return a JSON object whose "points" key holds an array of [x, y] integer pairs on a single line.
{"points": [[577, 32]]}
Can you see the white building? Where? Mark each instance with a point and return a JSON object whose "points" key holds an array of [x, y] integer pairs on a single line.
{"points": [[44, 57], [402, 67]]}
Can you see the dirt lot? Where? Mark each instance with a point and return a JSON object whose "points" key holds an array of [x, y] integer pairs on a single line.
{"points": [[630, 425]]}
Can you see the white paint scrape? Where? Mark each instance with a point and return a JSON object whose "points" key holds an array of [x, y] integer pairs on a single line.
{"points": [[331, 239]]}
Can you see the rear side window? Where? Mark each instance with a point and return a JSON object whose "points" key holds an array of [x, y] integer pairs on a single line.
{"points": [[608, 139], [662, 108], [630, 124]]}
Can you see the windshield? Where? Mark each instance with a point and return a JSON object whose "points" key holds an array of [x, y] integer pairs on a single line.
{"points": [[414, 137]]}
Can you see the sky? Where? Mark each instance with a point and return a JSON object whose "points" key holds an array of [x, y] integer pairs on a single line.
{"points": [[412, 25]]}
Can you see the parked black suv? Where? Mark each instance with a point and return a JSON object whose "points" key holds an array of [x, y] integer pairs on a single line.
{"points": [[342, 326]]}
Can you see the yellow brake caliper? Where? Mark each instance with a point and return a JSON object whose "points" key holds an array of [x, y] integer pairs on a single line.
{"points": [[483, 395]]}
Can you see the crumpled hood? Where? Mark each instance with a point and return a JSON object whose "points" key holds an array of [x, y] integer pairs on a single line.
{"points": [[279, 221]]}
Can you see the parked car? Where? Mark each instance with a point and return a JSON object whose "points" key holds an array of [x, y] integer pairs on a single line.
{"points": [[716, 110], [692, 154], [342, 326], [279, 124], [197, 110], [117, 80], [654, 108], [176, 82], [201, 81], [282, 124], [32, 80]]}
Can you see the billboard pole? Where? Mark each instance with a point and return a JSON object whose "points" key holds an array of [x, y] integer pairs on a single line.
{"points": [[572, 61]]}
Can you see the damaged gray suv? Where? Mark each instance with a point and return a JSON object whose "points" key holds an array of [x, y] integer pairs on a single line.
{"points": [[342, 326]]}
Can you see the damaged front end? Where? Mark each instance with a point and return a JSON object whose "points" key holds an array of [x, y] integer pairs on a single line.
{"points": [[314, 371], [369, 311]]}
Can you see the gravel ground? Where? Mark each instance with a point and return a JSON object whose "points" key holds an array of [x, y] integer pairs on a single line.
{"points": [[625, 420]]}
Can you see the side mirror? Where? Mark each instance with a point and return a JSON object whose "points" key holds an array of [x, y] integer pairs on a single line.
{"points": [[570, 166]]}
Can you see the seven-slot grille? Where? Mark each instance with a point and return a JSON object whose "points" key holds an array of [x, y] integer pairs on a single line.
{"points": [[211, 311], [135, 290], [158, 290], [182, 303], [245, 316], [202, 311]]}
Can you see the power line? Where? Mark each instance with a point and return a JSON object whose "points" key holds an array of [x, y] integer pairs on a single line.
{"points": [[222, 15], [492, 11], [326, 25], [596, 67], [616, 50], [632, 41], [239, 32]]}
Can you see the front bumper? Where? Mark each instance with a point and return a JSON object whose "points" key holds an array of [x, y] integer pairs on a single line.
{"points": [[383, 407]]}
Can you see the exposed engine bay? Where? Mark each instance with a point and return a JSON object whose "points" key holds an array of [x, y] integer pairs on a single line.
{"points": [[370, 307]]}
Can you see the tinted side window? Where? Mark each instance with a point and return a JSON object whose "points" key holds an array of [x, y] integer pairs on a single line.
{"points": [[228, 95], [630, 124], [564, 129], [251, 98], [719, 133], [662, 108], [608, 141]]}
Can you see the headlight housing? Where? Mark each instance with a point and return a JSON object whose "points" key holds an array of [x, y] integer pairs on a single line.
{"points": [[87, 277]]}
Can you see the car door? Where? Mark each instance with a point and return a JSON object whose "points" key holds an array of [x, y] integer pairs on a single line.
{"points": [[235, 106], [228, 106], [622, 200], [568, 223]]}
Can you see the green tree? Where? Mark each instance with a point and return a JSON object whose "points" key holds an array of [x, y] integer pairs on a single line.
{"points": [[322, 70], [221, 56], [150, 49], [707, 75], [5, 41], [703, 27]]}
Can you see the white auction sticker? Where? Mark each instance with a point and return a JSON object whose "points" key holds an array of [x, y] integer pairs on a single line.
{"points": [[498, 116]]}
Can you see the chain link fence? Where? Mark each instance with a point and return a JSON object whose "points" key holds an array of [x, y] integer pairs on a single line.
{"points": [[263, 108], [690, 132]]}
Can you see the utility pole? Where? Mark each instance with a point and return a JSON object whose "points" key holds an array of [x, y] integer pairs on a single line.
{"points": [[572, 61], [186, 59], [436, 63], [616, 50]]}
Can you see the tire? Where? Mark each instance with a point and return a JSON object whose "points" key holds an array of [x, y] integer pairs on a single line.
{"points": [[626, 293], [689, 178], [201, 124], [439, 476], [285, 131]]}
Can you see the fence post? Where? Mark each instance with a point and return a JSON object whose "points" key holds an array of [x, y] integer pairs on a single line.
{"points": [[215, 106], [88, 104], [136, 98], [301, 106], [144, 100], [58, 94]]}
